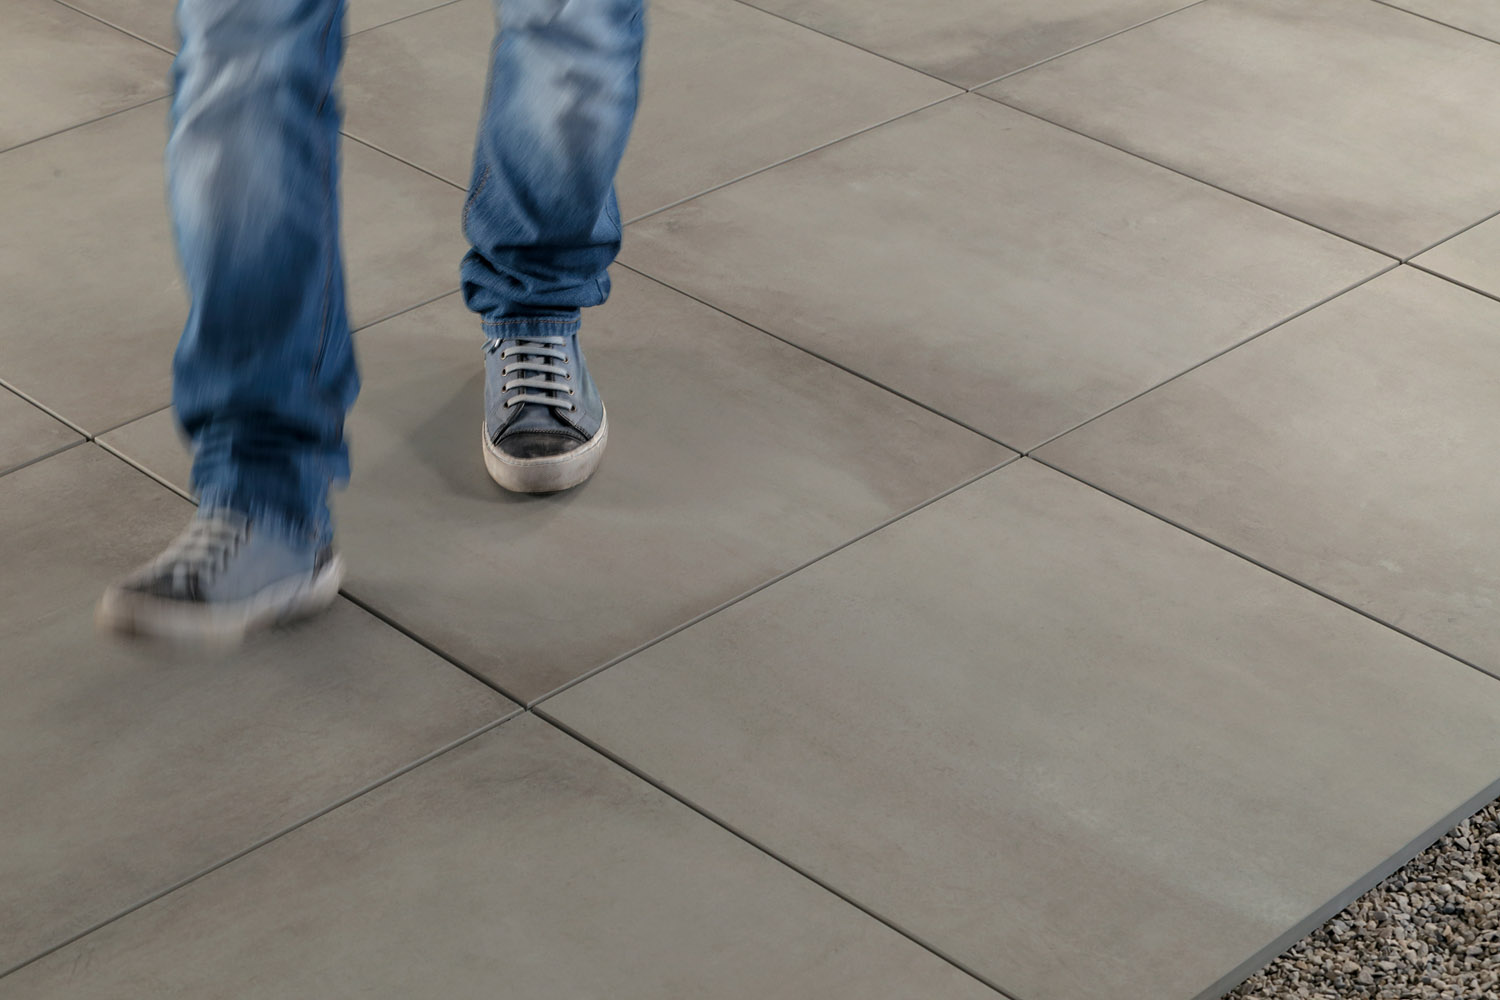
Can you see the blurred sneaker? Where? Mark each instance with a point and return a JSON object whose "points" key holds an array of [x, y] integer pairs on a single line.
{"points": [[218, 580], [544, 423]]}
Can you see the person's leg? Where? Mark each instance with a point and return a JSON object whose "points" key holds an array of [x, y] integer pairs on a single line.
{"points": [[264, 372], [544, 226]]}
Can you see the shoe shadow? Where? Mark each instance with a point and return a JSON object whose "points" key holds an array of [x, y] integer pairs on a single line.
{"points": [[449, 444]]}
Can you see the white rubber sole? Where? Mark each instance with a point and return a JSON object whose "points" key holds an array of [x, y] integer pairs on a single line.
{"points": [[222, 623], [545, 475]]}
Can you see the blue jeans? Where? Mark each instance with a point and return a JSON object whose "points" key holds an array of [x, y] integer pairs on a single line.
{"points": [[265, 371]]}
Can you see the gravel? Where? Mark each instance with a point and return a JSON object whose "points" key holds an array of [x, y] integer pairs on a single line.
{"points": [[1431, 929]]}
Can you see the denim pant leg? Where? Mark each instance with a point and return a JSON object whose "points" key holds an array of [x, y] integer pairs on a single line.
{"points": [[541, 216], [265, 372]]}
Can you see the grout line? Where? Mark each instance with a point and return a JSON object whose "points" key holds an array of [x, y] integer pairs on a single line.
{"points": [[1197, 180], [78, 125], [358, 602], [1031, 452], [173, 52], [789, 159], [1394, 261], [1262, 957], [111, 449], [745, 838], [1434, 20], [1195, 3], [110, 24], [1451, 236], [403, 17], [1354, 891], [7, 470], [853, 45], [683, 626], [1454, 281], [404, 309], [828, 361], [126, 423], [45, 408], [1267, 567], [215, 866], [1265, 955], [447, 657], [370, 145], [1385, 868], [167, 406], [438, 651], [1085, 45]]}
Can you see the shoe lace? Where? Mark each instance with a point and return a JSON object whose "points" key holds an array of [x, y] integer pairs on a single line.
{"points": [[532, 355], [205, 546]]}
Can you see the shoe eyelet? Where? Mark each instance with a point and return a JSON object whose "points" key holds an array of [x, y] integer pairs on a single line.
{"points": [[571, 392]]}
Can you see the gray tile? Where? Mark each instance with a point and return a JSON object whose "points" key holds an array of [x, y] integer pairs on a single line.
{"points": [[1479, 16], [1349, 114], [366, 14], [725, 92], [1353, 449], [130, 766], [1075, 748], [521, 865], [148, 19], [152, 19], [969, 42], [415, 88], [27, 433], [59, 68], [402, 237], [1472, 257], [155, 444], [732, 458], [1012, 275], [70, 205]]}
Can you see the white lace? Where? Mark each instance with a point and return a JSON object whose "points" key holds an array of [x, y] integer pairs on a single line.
{"points": [[204, 547], [531, 354]]}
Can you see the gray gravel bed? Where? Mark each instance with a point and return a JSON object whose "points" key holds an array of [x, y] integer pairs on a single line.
{"points": [[1431, 929]]}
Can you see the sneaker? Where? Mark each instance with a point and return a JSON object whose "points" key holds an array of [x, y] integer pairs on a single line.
{"points": [[220, 579], [544, 423]]}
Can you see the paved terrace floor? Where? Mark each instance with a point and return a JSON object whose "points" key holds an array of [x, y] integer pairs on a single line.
{"points": [[1047, 547]]}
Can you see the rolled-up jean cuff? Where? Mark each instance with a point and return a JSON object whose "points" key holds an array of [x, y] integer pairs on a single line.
{"points": [[522, 327]]}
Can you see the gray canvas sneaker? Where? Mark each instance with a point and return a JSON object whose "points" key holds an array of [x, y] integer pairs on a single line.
{"points": [[218, 580], [544, 423]]}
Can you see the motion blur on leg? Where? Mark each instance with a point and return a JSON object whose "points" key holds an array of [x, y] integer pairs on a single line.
{"points": [[265, 372]]}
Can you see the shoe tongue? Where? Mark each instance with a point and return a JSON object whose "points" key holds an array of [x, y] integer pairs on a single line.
{"points": [[536, 417]]}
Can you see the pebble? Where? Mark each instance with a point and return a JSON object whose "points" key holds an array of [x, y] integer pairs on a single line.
{"points": [[1430, 931]]}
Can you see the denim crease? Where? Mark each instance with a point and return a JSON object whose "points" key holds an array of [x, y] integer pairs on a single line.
{"points": [[265, 372]]}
